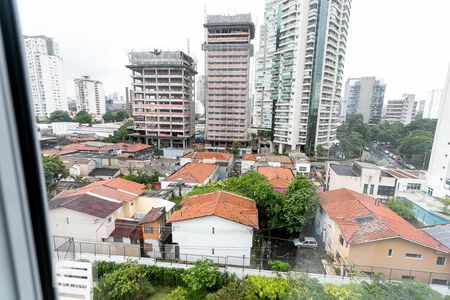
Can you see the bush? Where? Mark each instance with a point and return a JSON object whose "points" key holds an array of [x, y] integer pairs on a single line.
{"points": [[278, 265], [401, 208]]}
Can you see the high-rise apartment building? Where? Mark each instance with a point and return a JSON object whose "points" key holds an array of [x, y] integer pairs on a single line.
{"points": [[305, 42], [401, 110], [200, 95], [228, 50], [365, 95], [90, 96], [438, 177], [45, 69], [162, 98], [432, 104]]}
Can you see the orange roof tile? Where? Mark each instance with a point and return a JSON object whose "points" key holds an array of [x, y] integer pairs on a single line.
{"points": [[208, 155], [193, 172], [278, 177], [252, 157], [57, 152], [221, 204], [361, 220], [126, 147]]}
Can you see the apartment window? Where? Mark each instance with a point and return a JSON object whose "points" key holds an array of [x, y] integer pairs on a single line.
{"points": [[148, 229], [366, 187], [413, 186], [341, 240], [118, 239], [372, 187], [212, 251], [413, 255], [213, 230], [439, 281], [440, 260], [390, 251], [408, 277]]}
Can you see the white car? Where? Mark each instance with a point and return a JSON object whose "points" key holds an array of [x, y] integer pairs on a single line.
{"points": [[305, 242]]}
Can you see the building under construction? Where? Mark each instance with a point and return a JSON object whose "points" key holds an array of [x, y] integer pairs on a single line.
{"points": [[162, 98], [228, 50]]}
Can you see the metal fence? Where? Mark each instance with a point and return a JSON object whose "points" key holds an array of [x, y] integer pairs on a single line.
{"points": [[67, 248]]}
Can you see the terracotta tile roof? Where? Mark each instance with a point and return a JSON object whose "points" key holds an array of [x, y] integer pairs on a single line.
{"points": [[57, 152], [254, 157], [87, 204], [208, 155], [361, 220], [193, 172], [154, 214], [126, 185], [221, 204], [278, 177], [100, 147], [127, 147], [75, 160], [126, 229]]}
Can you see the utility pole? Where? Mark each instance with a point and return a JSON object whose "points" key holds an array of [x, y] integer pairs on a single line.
{"points": [[424, 158]]}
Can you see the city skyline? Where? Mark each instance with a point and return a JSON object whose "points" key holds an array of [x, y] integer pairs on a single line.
{"points": [[391, 50]]}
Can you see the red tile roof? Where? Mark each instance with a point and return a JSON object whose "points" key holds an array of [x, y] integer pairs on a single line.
{"points": [[126, 229], [154, 214], [193, 172], [57, 152], [279, 178], [87, 204], [208, 155], [127, 147], [221, 204], [361, 220], [252, 157], [100, 147]]}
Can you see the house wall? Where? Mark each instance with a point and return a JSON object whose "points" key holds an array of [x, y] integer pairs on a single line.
{"points": [[402, 184], [129, 208], [376, 254], [80, 226], [329, 232], [196, 237], [247, 166]]}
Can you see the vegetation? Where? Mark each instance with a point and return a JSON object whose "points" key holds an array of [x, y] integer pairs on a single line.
{"points": [[54, 172], [121, 134], [412, 142], [446, 203], [143, 178], [401, 208], [59, 116], [83, 117], [115, 116], [278, 265], [204, 281]]}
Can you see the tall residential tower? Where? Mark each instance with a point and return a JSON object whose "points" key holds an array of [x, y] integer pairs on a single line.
{"points": [[162, 98], [90, 96], [45, 68], [309, 38], [365, 95], [228, 50]]}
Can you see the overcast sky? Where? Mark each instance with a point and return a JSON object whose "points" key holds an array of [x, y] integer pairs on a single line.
{"points": [[405, 42]]}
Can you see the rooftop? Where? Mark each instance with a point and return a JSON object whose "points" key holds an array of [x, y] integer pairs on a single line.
{"points": [[193, 173], [279, 178], [154, 214], [299, 157], [222, 204], [363, 219], [343, 170], [126, 229], [208, 155], [254, 157], [104, 172], [402, 174], [440, 233], [87, 204]]}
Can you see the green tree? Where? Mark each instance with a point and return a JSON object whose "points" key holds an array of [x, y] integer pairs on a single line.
{"points": [[320, 151], [416, 147], [121, 115], [143, 178], [401, 208], [278, 265], [121, 134], [54, 171], [445, 202], [300, 204], [127, 282], [83, 117], [108, 117], [59, 116]]}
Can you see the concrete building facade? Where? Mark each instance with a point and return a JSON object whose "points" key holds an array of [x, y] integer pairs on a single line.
{"points": [[401, 110], [163, 98], [228, 50], [432, 103], [439, 167], [306, 71], [46, 74], [90, 96], [364, 95]]}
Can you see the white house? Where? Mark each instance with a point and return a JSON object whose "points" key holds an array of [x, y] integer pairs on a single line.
{"points": [[301, 162], [216, 225]]}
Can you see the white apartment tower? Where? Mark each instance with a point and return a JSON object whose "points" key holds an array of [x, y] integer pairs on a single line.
{"points": [[45, 69], [401, 110], [439, 167], [432, 104], [90, 96], [304, 47]]}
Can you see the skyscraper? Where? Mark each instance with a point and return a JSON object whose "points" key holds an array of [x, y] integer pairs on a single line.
{"points": [[401, 110], [90, 96], [162, 98], [228, 50], [439, 168], [432, 104], [309, 40], [45, 68], [200, 95], [365, 95]]}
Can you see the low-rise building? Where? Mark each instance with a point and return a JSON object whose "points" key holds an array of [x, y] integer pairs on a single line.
{"points": [[104, 173], [279, 178], [372, 180], [190, 175], [301, 162], [62, 128], [225, 161], [250, 162], [362, 234], [217, 225], [78, 166]]}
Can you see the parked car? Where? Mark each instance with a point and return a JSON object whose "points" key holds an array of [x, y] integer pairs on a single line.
{"points": [[386, 152], [305, 242], [410, 166], [367, 148]]}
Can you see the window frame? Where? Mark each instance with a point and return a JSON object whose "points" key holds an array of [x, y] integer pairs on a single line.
{"points": [[413, 255]]}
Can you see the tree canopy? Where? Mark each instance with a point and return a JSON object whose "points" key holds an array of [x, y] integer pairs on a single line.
{"points": [[54, 172], [59, 116], [115, 116], [83, 117], [121, 134], [401, 208]]}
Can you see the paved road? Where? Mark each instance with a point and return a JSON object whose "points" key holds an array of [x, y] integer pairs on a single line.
{"points": [[379, 158]]}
